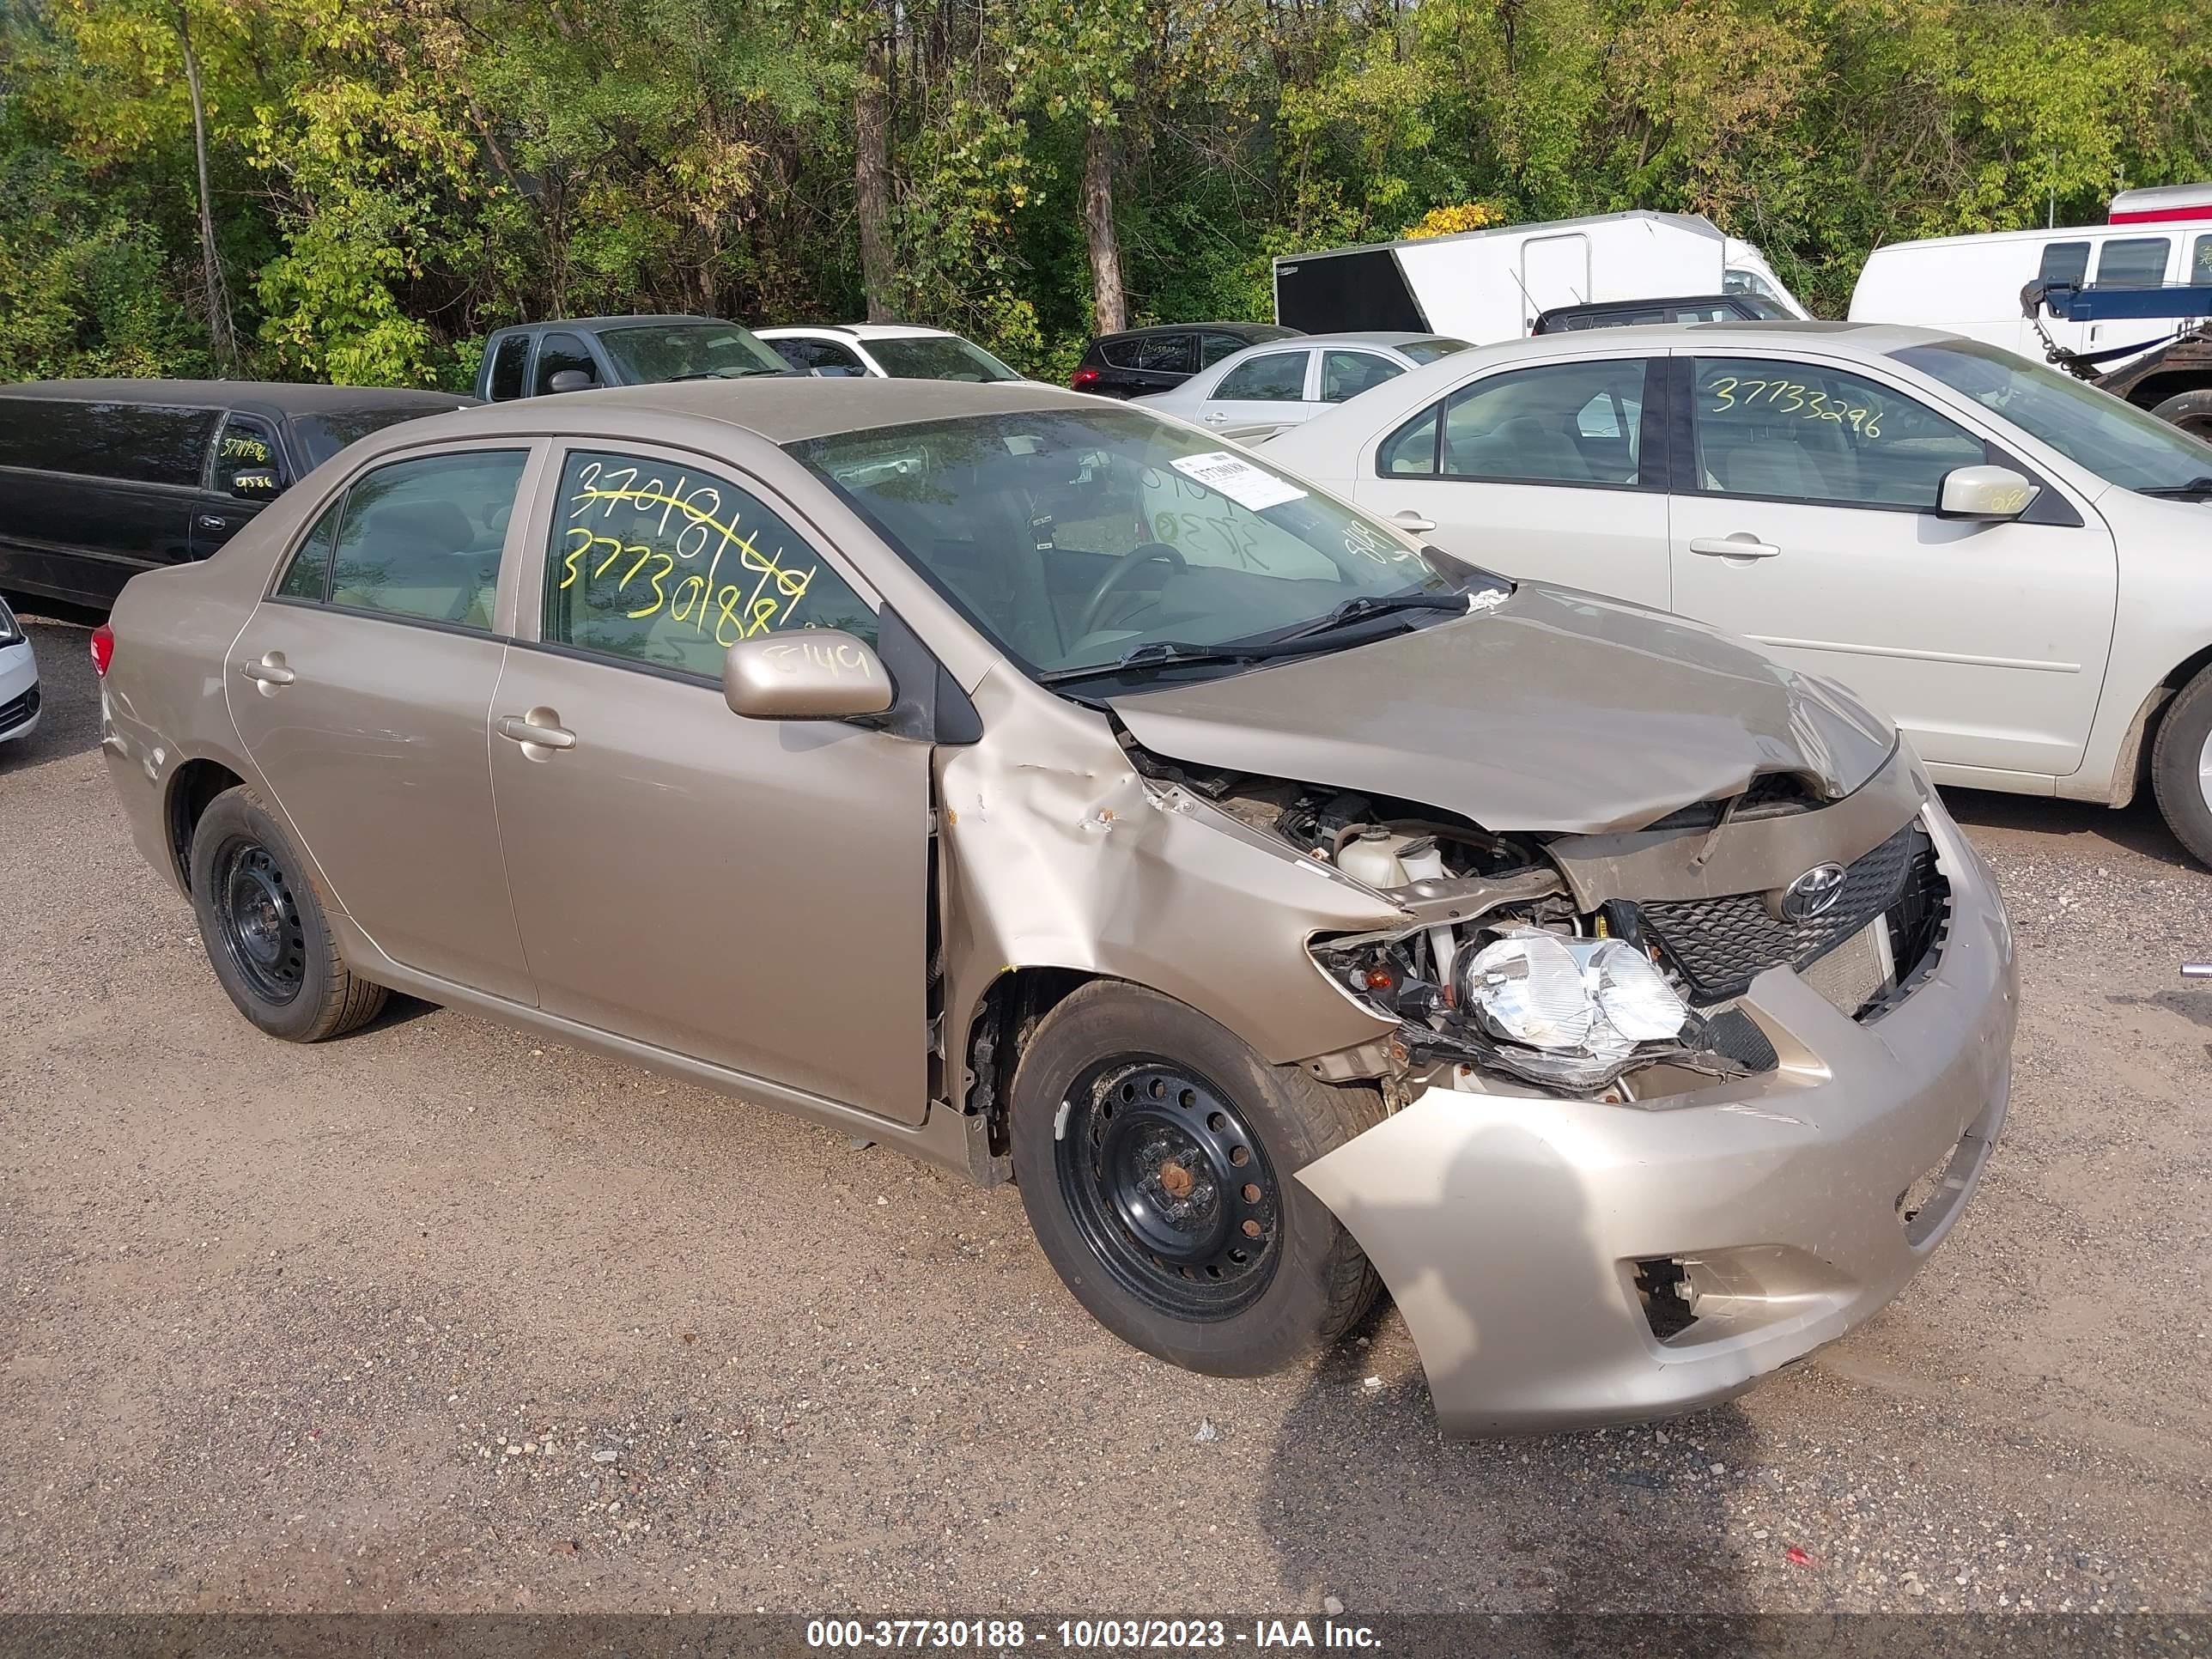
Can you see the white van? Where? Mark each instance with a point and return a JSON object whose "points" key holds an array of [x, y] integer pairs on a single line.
{"points": [[1485, 286], [1971, 285]]}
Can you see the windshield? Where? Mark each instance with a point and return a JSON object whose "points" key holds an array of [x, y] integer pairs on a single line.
{"points": [[325, 432], [2109, 436], [1427, 352], [675, 351], [934, 358], [1074, 537]]}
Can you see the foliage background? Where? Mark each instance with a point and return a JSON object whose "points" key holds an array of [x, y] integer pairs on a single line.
{"points": [[393, 179]]}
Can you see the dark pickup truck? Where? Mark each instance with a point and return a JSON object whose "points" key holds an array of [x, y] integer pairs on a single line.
{"points": [[574, 354]]}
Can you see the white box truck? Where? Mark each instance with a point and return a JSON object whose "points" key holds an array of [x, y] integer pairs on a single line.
{"points": [[1489, 285]]}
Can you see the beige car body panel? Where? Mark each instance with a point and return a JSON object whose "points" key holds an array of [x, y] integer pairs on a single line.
{"points": [[747, 903]]}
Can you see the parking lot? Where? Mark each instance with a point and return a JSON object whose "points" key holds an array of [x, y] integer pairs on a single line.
{"points": [[439, 1316]]}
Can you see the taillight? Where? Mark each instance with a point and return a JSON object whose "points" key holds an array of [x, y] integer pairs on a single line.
{"points": [[1084, 381], [103, 648]]}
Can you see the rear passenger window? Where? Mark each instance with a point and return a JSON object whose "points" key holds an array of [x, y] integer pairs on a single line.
{"points": [[1279, 377], [1166, 353], [1569, 423], [2137, 262], [507, 366], [133, 442], [1410, 451], [1212, 347], [422, 538], [2066, 263], [671, 565], [308, 575]]}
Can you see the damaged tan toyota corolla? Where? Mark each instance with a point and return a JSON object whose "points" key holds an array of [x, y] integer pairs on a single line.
{"points": [[1028, 783]]}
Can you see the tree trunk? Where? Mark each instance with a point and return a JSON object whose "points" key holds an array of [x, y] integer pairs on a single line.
{"points": [[218, 297], [1109, 302], [872, 182]]}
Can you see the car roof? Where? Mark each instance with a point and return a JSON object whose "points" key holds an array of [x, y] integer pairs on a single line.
{"points": [[782, 410], [593, 324], [1874, 338], [861, 330], [1374, 336], [1249, 331], [1659, 300], [287, 397]]}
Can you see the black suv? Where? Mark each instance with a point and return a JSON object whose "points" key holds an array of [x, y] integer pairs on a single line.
{"points": [[102, 479], [1630, 314], [1142, 360]]}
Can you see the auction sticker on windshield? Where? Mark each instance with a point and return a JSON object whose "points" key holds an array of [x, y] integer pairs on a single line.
{"points": [[1237, 479]]}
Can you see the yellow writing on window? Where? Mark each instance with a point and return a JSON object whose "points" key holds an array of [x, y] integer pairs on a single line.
{"points": [[735, 610], [1792, 398]]}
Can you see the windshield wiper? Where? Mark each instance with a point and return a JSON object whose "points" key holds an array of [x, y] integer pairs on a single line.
{"points": [[2196, 488], [1363, 606], [1155, 653], [733, 373]]}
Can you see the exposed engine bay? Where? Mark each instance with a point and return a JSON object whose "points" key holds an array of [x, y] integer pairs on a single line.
{"points": [[1501, 976]]}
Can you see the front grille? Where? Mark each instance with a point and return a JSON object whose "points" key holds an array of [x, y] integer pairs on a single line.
{"points": [[1722, 945], [18, 711]]}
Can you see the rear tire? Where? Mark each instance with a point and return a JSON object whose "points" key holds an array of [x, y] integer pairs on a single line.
{"points": [[263, 927], [1157, 1157], [2181, 766], [2190, 411]]}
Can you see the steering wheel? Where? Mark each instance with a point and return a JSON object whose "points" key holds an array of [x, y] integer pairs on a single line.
{"points": [[1135, 561]]}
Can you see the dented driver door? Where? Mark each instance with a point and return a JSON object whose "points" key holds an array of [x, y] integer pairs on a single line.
{"points": [[748, 893]]}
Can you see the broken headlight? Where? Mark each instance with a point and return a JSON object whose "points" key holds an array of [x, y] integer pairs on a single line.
{"points": [[1585, 1004]]}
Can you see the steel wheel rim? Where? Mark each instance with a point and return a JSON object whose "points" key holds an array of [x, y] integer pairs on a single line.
{"points": [[1169, 1188], [2205, 771], [258, 919]]}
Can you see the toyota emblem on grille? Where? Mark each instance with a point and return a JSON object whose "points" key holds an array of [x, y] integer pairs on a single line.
{"points": [[1812, 893]]}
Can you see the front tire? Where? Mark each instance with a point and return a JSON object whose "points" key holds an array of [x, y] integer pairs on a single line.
{"points": [[263, 927], [2190, 411], [2181, 766], [1155, 1156]]}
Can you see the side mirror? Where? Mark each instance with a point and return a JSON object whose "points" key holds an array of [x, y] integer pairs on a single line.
{"points": [[252, 483], [808, 674], [1985, 492], [570, 380]]}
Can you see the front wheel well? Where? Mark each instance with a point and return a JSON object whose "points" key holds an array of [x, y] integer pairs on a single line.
{"points": [[1004, 1019], [191, 787]]}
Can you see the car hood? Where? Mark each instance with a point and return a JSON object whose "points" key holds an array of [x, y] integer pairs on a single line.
{"points": [[1557, 711]]}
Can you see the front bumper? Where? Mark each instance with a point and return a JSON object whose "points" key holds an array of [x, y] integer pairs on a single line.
{"points": [[1509, 1229]]}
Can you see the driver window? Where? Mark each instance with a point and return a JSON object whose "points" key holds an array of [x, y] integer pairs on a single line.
{"points": [[558, 352], [422, 538], [246, 464], [1795, 432], [672, 565]]}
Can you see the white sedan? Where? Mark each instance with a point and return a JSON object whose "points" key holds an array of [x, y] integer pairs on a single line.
{"points": [[1265, 388], [884, 351], [19, 679], [2012, 564]]}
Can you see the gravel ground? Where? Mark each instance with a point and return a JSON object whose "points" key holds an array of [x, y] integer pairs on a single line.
{"points": [[440, 1317]]}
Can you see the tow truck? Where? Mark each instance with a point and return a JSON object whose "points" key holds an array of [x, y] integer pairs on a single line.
{"points": [[2172, 377]]}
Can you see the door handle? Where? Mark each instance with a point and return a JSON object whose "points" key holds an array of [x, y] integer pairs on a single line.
{"points": [[545, 734], [1214, 419], [1407, 519], [1741, 545], [209, 521], [270, 671]]}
